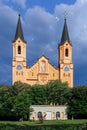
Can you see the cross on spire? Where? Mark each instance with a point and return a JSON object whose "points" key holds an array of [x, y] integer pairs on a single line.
{"points": [[19, 9], [65, 14]]}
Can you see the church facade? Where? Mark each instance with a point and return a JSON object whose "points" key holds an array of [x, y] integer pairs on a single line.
{"points": [[42, 71]]}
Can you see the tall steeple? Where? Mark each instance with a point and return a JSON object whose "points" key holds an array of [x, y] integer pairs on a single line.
{"points": [[65, 57], [19, 31], [19, 54], [65, 35]]}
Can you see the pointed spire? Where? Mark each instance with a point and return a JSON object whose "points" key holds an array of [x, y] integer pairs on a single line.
{"points": [[65, 35], [19, 31]]}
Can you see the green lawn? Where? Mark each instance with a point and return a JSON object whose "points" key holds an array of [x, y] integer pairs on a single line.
{"points": [[51, 122], [45, 125]]}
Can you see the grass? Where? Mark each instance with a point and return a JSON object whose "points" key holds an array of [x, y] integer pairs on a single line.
{"points": [[50, 122], [45, 125]]}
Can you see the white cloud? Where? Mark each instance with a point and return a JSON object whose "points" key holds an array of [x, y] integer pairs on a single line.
{"points": [[77, 24], [46, 28], [41, 25], [81, 1], [8, 18]]}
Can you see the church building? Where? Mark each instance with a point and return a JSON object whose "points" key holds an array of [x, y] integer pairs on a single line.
{"points": [[42, 71]]}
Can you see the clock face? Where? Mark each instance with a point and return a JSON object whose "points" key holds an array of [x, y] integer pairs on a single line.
{"points": [[66, 68], [19, 67]]}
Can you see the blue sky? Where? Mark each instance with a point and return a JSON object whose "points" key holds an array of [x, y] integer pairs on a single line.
{"points": [[42, 22]]}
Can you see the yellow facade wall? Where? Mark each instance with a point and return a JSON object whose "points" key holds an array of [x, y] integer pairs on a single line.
{"points": [[42, 71]]}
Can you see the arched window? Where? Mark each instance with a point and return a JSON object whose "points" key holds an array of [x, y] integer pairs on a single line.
{"points": [[66, 52], [57, 115], [19, 49], [39, 115]]}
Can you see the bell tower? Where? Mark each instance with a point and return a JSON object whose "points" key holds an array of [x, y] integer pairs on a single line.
{"points": [[65, 57], [19, 54]]}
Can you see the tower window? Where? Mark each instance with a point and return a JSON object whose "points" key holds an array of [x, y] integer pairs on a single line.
{"points": [[32, 74], [19, 49], [17, 73], [53, 75], [66, 52], [22, 73], [69, 74]]}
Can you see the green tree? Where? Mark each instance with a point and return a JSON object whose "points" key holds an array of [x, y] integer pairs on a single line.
{"points": [[58, 92], [77, 104], [22, 104], [15, 101], [38, 94], [6, 103], [19, 87]]}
